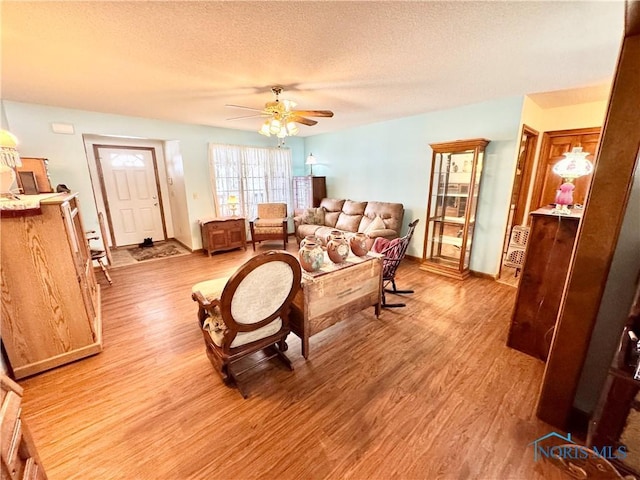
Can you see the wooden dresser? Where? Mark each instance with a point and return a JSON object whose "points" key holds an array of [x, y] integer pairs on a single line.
{"points": [[19, 456], [308, 191], [50, 298], [223, 233], [544, 272]]}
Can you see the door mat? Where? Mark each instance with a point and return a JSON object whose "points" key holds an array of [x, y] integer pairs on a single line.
{"points": [[132, 255]]}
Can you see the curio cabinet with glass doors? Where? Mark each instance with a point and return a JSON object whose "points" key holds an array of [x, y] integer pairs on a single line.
{"points": [[456, 168]]}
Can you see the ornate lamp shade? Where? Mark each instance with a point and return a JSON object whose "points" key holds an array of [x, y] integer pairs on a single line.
{"points": [[9, 160], [573, 165]]}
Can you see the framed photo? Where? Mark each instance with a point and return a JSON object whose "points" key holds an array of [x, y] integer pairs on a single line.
{"points": [[29, 183]]}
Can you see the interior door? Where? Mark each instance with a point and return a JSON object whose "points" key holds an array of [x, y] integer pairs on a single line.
{"points": [[554, 145], [129, 182]]}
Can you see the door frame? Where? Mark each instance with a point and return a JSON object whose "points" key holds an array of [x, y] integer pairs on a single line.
{"points": [[544, 151], [103, 189], [529, 155]]}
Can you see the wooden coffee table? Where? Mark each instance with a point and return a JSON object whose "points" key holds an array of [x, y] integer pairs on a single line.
{"points": [[335, 293]]}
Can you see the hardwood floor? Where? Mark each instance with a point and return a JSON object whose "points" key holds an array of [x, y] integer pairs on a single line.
{"points": [[426, 391]]}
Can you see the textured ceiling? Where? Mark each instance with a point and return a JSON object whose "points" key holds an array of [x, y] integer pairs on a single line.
{"points": [[366, 61]]}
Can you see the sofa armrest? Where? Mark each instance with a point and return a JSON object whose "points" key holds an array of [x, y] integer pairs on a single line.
{"points": [[297, 221]]}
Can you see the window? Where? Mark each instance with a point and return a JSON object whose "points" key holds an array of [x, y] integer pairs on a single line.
{"points": [[254, 175]]}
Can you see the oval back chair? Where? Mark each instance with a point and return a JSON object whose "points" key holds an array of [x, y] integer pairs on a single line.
{"points": [[248, 312]]}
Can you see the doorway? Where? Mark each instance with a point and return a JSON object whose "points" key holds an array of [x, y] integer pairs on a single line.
{"points": [[130, 187], [519, 195]]}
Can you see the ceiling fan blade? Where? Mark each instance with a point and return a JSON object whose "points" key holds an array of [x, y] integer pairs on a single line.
{"points": [[246, 108], [313, 113], [302, 120], [249, 116]]}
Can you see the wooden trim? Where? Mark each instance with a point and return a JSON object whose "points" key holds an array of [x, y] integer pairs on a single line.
{"points": [[459, 145], [597, 239], [525, 182], [544, 153], [488, 276], [411, 258], [105, 198]]}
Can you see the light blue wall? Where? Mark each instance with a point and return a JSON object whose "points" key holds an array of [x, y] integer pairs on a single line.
{"points": [[31, 123], [387, 161], [391, 161]]}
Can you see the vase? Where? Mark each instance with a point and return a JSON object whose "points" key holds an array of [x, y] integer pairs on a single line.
{"points": [[337, 247], [312, 239], [311, 255], [358, 244]]}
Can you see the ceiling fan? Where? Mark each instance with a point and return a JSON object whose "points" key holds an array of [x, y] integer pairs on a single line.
{"points": [[281, 116]]}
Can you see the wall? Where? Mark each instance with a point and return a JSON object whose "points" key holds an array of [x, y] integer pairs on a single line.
{"points": [[68, 161], [391, 161]]}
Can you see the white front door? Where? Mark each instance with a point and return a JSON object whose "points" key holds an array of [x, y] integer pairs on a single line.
{"points": [[129, 181]]}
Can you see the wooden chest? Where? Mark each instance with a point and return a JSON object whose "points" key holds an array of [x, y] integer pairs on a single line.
{"points": [[334, 294]]}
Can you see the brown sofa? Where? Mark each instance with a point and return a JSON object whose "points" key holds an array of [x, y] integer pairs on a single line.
{"points": [[350, 216]]}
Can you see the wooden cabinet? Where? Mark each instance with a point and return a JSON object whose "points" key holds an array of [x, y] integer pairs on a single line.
{"points": [[546, 264], [223, 233], [50, 298], [19, 456], [456, 169], [308, 191]]}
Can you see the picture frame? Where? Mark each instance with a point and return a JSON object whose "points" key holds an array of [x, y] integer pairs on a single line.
{"points": [[29, 183]]}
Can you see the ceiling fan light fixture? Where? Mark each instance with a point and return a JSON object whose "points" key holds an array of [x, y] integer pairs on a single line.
{"points": [[265, 129], [292, 128], [275, 126]]}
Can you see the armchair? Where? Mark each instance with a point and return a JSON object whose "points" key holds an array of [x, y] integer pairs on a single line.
{"points": [[248, 312], [271, 224]]}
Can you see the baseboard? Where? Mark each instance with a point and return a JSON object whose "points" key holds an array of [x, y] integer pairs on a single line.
{"points": [[411, 258], [188, 248], [484, 275]]}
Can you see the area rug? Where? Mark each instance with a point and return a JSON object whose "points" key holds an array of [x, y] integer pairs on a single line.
{"points": [[132, 255]]}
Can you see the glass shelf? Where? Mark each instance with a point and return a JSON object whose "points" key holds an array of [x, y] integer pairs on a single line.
{"points": [[456, 169]]}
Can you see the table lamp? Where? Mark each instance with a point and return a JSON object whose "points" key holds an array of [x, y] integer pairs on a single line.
{"points": [[574, 165], [232, 201], [9, 160]]}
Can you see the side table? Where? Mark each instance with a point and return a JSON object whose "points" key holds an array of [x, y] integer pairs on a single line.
{"points": [[223, 233]]}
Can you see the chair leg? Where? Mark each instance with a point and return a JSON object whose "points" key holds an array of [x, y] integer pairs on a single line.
{"points": [[395, 289], [105, 271]]}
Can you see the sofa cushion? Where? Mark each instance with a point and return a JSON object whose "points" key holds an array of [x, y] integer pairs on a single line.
{"points": [[348, 222], [306, 229], [376, 224], [391, 213], [313, 216], [354, 208], [332, 209]]}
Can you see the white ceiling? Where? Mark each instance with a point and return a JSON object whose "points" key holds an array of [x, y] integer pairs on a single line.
{"points": [[367, 61]]}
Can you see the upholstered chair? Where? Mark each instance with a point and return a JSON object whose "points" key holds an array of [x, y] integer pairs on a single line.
{"points": [[270, 224], [248, 312]]}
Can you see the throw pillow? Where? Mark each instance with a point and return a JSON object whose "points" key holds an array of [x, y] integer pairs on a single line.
{"points": [[313, 216], [376, 224]]}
